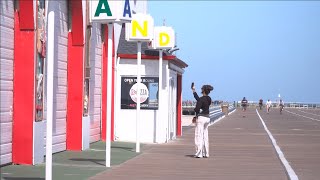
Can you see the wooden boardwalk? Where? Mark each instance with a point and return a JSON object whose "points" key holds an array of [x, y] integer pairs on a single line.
{"points": [[240, 149]]}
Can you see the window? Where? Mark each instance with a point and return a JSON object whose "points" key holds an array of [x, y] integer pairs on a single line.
{"points": [[40, 58], [69, 15], [16, 5], [87, 68]]}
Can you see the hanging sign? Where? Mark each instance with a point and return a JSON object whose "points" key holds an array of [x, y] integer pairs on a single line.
{"points": [[140, 28], [106, 11], [164, 38]]}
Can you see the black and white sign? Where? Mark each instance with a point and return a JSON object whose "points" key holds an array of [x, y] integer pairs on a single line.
{"points": [[148, 92]]}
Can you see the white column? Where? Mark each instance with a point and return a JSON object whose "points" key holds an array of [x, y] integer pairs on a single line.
{"points": [[117, 93], [138, 98], [109, 94], [158, 127], [50, 75], [169, 101]]}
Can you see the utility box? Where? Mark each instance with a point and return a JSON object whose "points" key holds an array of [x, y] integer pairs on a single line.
{"points": [[225, 108]]}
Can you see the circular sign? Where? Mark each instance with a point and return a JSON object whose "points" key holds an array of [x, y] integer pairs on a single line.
{"points": [[144, 92]]}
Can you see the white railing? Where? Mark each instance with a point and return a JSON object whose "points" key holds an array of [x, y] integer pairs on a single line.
{"points": [[286, 104]]}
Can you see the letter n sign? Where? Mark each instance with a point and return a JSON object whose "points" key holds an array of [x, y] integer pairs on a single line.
{"points": [[140, 28]]}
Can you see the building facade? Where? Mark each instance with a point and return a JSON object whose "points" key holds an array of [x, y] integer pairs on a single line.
{"points": [[80, 74]]}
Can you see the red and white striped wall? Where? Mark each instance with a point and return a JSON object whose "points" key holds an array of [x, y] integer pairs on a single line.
{"points": [[6, 79], [17, 79]]}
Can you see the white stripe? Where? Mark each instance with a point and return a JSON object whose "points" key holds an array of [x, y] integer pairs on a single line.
{"points": [[308, 113], [292, 175], [302, 115], [97, 150]]}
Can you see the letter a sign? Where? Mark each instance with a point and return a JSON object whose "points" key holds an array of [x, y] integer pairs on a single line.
{"points": [[105, 11]]}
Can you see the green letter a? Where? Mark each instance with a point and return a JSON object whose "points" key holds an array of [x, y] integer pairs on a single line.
{"points": [[100, 10]]}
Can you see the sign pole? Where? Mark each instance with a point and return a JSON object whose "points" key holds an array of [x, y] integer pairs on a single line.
{"points": [[138, 98], [50, 71], [109, 90], [159, 92]]}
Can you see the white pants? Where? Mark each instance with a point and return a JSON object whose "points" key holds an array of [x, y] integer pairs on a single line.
{"points": [[201, 138]]}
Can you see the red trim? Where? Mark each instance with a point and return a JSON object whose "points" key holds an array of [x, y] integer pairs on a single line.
{"points": [[75, 78], [134, 57], [179, 105], [26, 15], [77, 22], [23, 93], [75, 95], [104, 86], [179, 63]]}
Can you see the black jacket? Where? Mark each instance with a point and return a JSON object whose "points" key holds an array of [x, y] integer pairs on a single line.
{"points": [[203, 103]]}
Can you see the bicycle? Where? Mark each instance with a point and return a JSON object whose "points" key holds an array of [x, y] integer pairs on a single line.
{"points": [[281, 108]]}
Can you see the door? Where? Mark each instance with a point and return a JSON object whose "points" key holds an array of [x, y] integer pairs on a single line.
{"points": [[172, 108]]}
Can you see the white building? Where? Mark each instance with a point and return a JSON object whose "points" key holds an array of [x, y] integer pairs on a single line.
{"points": [[156, 127]]}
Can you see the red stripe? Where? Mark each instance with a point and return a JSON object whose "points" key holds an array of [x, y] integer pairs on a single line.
{"points": [[145, 57], [77, 22], [26, 15], [179, 105], [75, 96], [23, 94]]}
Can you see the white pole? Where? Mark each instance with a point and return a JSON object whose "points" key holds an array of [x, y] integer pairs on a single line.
{"points": [[50, 71], [109, 89], [138, 98], [117, 101], [159, 95], [169, 101]]}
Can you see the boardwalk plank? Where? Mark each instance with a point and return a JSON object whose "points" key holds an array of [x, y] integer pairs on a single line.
{"points": [[239, 149]]}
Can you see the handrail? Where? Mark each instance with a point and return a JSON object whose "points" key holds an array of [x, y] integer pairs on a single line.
{"points": [[291, 104]]}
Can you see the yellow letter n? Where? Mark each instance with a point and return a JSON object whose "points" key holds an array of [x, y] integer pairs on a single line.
{"points": [[136, 26]]}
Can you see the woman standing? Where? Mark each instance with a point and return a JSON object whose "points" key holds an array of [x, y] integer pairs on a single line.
{"points": [[203, 120]]}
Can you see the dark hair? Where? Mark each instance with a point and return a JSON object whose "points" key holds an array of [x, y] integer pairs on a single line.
{"points": [[206, 89]]}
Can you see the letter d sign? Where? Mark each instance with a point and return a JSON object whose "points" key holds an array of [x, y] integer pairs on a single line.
{"points": [[163, 38]]}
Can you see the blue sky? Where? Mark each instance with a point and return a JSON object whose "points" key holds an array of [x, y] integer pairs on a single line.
{"points": [[255, 49]]}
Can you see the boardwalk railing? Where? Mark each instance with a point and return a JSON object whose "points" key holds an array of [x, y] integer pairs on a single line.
{"points": [[286, 104], [215, 112]]}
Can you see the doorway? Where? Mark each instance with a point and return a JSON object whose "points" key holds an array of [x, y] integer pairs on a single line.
{"points": [[172, 110]]}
